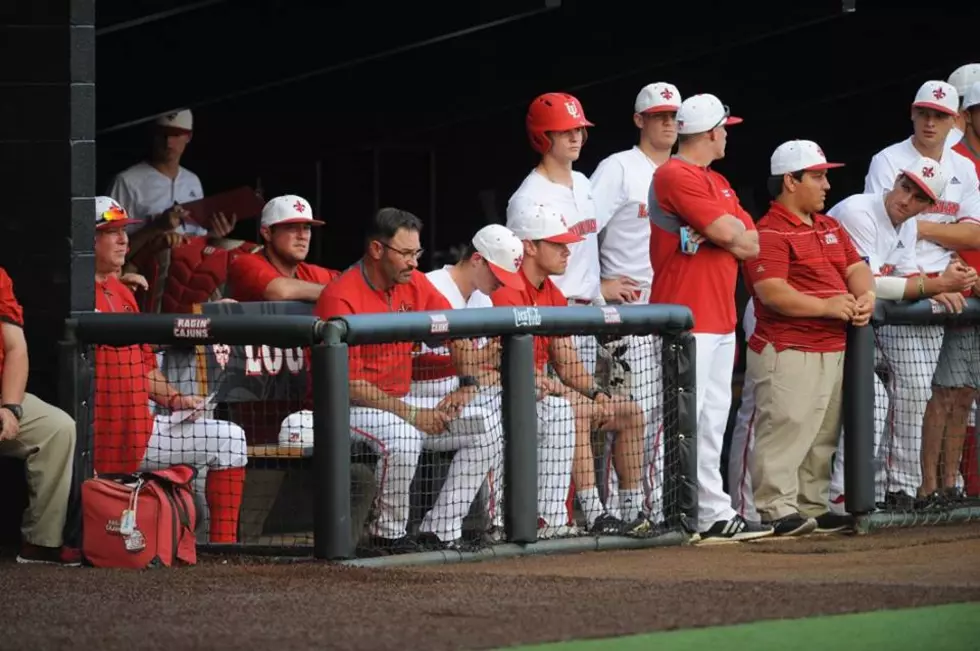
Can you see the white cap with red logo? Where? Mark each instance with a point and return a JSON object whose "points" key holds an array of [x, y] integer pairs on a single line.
{"points": [[964, 77], [703, 112], [503, 252], [533, 221], [110, 215], [972, 95], [179, 121], [657, 98], [798, 156], [928, 175], [938, 95], [288, 209]]}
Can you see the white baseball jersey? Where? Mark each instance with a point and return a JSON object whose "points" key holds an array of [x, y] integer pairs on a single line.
{"points": [[581, 279], [959, 202], [437, 362], [146, 192], [953, 138], [620, 187], [890, 251]]}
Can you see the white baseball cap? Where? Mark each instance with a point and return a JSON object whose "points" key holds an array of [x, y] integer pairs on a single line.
{"points": [[179, 121], [503, 252], [704, 112], [964, 77], [109, 215], [797, 156], [938, 95], [288, 209], [928, 175], [534, 221], [657, 98], [972, 95]]}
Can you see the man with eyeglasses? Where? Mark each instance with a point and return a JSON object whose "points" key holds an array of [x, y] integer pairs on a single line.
{"points": [[397, 426], [920, 407], [699, 233], [884, 229], [279, 272]]}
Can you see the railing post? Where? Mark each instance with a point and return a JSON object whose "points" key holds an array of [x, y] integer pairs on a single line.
{"points": [[680, 418], [858, 420], [520, 420], [74, 391], [331, 448]]}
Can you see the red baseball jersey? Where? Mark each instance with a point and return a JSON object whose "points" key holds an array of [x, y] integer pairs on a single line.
{"points": [[10, 310], [123, 422], [970, 256], [387, 366], [812, 259], [547, 295], [687, 194], [250, 275]]}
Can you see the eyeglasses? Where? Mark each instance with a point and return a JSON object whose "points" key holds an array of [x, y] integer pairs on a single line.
{"points": [[728, 112], [411, 254]]}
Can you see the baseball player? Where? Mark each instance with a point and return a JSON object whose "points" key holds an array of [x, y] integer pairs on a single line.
{"points": [[383, 414], [951, 224], [743, 437], [699, 233], [127, 435], [961, 79], [884, 229], [547, 241], [279, 272], [557, 128], [620, 189], [807, 284]]}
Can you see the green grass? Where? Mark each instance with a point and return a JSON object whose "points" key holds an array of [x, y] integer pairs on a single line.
{"points": [[954, 627]]}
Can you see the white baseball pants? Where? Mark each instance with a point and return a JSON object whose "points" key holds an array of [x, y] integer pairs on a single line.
{"points": [[715, 363]]}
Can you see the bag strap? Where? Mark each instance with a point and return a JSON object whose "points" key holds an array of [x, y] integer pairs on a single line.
{"points": [[180, 474]]}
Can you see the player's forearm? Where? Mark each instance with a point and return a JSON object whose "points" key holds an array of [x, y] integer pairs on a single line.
{"points": [[921, 286], [159, 389], [860, 280], [15, 369], [365, 394], [745, 246], [290, 289], [467, 359], [956, 237], [787, 301]]}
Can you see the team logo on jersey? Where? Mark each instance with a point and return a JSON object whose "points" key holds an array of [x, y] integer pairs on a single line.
{"points": [[404, 307], [830, 238], [643, 213], [222, 353], [900, 245], [887, 269], [928, 172], [939, 93], [954, 181], [666, 94], [572, 109], [759, 269]]}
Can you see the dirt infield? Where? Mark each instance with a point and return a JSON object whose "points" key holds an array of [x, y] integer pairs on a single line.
{"points": [[228, 605]]}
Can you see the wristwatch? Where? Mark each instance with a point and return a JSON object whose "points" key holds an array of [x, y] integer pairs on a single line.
{"points": [[468, 381], [16, 410]]}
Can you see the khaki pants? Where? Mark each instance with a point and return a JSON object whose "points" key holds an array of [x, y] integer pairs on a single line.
{"points": [[46, 443], [798, 414]]}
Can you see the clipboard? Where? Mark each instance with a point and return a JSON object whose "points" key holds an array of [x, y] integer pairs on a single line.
{"points": [[244, 202]]}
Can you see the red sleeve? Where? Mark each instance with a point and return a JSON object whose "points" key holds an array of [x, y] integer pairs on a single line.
{"points": [[149, 357], [325, 276], [507, 297], [557, 297], [684, 194], [850, 251], [773, 260], [248, 277], [10, 310]]}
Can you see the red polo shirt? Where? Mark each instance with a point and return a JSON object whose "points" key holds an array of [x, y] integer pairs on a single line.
{"points": [[387, 366], [10, 310], [123, 422], [813, 259], [688, 194], [970, 256], [250, 275], [547, 295]]}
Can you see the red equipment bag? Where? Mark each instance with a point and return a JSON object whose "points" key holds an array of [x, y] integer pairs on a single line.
{"points": [[145, 519]]}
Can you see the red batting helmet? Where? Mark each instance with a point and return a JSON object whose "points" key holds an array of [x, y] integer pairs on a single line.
{"points": [[553, 112]]}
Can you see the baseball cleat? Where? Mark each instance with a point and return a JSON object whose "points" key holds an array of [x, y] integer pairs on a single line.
{"points": [[738, 529], [793, 525]]}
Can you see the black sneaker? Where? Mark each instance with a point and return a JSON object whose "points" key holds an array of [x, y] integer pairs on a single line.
{"points": [[738, 529], [608, 525], [831, 522], [793, 525], [899, 501], [954, 496], [392, 546]]}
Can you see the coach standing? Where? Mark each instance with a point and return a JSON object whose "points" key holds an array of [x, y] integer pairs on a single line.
{"points": [[699, 231], [807, 284]]}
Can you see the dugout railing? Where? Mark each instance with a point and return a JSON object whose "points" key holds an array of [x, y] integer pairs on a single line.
{"points": [[894, 410], [281, 377]]}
